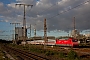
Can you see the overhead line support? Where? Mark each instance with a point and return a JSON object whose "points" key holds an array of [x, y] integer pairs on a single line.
{"points": [[24, 20]]}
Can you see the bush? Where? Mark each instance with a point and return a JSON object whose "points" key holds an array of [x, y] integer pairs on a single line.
{"points": [[62, 55], [72, 55], [48, 53]]}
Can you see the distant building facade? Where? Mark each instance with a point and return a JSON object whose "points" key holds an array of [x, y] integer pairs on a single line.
{"points": [[19, 33], [74, 33], [87, 35]]}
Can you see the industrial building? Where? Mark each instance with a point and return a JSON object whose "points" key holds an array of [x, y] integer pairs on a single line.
{"points": [[74, 33], [19, 33]]}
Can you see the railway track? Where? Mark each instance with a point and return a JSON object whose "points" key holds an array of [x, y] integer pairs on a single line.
{"points": [[23, 55]]}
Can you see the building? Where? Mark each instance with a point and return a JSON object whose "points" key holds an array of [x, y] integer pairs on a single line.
{"points": [[87, 35], [19, 33], [74, 33]]}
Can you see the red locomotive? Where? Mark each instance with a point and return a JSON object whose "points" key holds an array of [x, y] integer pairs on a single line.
{"points": [[67, 42]]}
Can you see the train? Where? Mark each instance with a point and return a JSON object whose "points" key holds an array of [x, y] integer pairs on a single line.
{"points": [[41, 42], [67, 42], [60, 42]]}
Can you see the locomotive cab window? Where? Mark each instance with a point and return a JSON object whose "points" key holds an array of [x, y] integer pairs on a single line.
{"points": [[74, 40]]}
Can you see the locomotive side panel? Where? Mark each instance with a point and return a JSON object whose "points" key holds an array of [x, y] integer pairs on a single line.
{"points": [[64, 42], [67, 42]]}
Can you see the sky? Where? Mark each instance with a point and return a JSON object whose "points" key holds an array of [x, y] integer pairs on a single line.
{"points": [[58, 13]]}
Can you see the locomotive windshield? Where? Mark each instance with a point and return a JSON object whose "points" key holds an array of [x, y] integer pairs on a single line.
{"points": [[74, 40]]}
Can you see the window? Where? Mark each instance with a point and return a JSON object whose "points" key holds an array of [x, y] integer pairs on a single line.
{"points": [[74, 40]]}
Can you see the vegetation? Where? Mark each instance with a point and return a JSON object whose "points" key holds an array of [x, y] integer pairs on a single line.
{"points": [[72, 55], [3, 55], [61, 55], [39, 49], [48, 53]]}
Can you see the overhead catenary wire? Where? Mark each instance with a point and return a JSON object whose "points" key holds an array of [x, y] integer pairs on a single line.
{"points": [[53, 6], [57, 7], [61, 12], [69, 9], [45, 9], [48, 8], [42, 10]]}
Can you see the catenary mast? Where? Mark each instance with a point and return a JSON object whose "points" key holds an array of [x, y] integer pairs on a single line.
{"points": [[24, 20]]}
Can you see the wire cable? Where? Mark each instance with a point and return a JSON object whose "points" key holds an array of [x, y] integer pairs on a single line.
{"points": [[45, 9], [69, 9]]}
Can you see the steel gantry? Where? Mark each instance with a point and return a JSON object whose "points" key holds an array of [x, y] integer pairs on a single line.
{"points": [[24, 20]]}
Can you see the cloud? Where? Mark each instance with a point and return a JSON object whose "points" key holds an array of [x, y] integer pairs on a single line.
{"points": [[52, 11]]}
